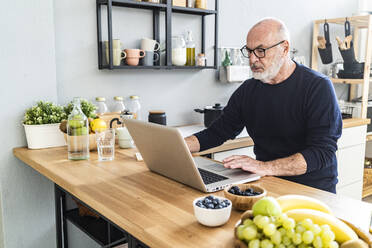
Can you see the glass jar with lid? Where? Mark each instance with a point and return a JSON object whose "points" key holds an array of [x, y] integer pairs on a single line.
{"points": [[201, 4], [118, 105], [101, 105], [135, 107], [201, 60], [178, 51]]}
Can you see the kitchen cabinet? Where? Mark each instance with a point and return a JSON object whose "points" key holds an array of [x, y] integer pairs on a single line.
{"points": [[155, 8], [350, 159]]}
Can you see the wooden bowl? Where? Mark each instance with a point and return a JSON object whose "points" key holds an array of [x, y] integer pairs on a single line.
{"points": [[244, 202], [92, 141]]}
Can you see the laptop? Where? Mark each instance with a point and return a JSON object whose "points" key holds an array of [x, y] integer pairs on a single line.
{"points": [[165, 152]]}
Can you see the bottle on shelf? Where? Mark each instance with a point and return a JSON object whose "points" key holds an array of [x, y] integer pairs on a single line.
{"points": [[190, 49], [179, 57], [77, 133], [201, 60], [118, 106], [201, 4], [101, 105], [135, 107]]}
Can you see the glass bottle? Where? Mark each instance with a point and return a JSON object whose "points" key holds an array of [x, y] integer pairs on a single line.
{"points": [[135, 107], [118, 106], [77, 133], [227, 60], [201, 4], [190, 49], [101, 105], [178, 51]]}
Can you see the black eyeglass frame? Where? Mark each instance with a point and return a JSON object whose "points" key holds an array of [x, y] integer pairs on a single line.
{"points": [[253, 50]]}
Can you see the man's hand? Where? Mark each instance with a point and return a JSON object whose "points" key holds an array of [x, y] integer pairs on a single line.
{"points": [[193, 143], [289, 166], [245, 163]]}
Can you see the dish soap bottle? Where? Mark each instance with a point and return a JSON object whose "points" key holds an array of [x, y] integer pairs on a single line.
{"points": [[190, 50], [77, 133]]}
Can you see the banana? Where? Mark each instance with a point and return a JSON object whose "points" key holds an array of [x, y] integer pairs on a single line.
{"points": [[342, 231], [289, 202]]}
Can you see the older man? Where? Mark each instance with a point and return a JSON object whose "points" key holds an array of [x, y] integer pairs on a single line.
{"points": [[289, 110]]}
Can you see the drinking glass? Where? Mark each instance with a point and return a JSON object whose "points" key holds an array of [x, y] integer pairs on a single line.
{"points": [[106, 144]]}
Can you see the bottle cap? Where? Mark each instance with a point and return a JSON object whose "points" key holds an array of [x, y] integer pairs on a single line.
{"points": [[134, 97], [201, 54], [118, 98], [100, 99]]}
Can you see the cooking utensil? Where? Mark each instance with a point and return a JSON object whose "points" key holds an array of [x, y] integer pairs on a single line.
{"points": [[347, 33], [325, 50], [211, 113]]}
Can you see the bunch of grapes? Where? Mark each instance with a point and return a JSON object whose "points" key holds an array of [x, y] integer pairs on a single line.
{"points": [[282, 231]]}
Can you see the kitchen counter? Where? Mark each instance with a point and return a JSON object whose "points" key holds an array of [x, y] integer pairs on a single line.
{"points": [[156, 210]]}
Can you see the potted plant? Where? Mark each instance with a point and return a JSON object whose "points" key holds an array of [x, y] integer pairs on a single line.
{"points": [[41, 124]]}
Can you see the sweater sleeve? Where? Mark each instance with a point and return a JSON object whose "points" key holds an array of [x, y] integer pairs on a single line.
{"points": [[324, 126], [227, 126]]}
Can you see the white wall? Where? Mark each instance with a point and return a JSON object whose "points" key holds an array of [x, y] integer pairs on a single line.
{"points": [[42, 39], [27, 74], [1, 223]]}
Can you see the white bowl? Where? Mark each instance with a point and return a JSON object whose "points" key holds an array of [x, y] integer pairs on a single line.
{"points": [[212, 217]]}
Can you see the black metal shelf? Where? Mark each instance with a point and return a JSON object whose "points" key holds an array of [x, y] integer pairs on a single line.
{"points": [[156, 9], [158, 67], [97, 229]]}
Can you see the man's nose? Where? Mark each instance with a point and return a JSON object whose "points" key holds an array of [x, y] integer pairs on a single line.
{"points": [[253, 58]]}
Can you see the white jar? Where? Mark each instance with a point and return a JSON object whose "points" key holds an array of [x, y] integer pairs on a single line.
{"points": [[178, 51], [101, 105], [118, 105]]}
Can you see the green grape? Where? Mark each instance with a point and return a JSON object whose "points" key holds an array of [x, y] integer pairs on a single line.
{"points": [[276, 238], [291, 246], [325, 227], [259, 235], [297, 239], [256, 218], [333, 244], [263, 221], [327, 236], [290, 233], [300, 229], [282, 231], [308, 237], [302, 245], [239, 232], [280, 246], [269, 229], [307, 223], [286, 240], [255, 243], [249, 233], [317, 243], [266, 244], [316, 229], [289, 223], [248, 222]]}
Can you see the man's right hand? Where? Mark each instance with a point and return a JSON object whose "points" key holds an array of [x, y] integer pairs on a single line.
{"points": [[193, 143]]}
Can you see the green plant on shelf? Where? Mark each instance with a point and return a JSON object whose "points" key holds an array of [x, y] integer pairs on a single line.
{"points": [[44, 112]]}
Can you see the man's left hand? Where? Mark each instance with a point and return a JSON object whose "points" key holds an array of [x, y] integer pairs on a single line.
{"points": [[245, 163]]}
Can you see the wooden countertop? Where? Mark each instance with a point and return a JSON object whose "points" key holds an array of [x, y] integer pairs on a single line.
{"points": [[156, 210]]}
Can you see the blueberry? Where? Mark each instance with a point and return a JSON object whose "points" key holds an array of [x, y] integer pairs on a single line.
{"points": [[216, 201], [218, 207], [235, 188], [210, 206], [207, 201], [232, 191], [226, 202], [199, 203], [210, 197], [202, 206], [223, 204]]}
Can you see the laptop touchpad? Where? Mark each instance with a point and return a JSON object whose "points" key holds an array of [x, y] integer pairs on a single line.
{"points": [[215, 167]]}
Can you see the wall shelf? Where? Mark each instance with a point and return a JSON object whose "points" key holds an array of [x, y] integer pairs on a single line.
{"points": [[156, 8]]}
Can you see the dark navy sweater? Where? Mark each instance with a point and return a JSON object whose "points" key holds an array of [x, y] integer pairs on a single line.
{"points": [[298, 115]]}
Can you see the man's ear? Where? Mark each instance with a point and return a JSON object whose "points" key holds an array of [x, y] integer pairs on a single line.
{"points": [[285, 47]]}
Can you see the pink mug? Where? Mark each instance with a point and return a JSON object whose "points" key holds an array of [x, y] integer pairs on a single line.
{"points": [[133, 56]]}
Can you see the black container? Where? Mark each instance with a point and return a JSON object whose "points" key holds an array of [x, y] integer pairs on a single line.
{"points": [[348, 55], [326, 53], [211, 113], [158, 117]]}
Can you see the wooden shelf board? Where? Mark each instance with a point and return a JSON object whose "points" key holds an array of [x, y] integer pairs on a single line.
{"points": [[360, 21], [347, 81], [367, 191], [354, 122], [194, 11]]}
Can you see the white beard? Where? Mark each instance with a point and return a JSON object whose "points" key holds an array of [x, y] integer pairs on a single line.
{"points": [[271, 72]]}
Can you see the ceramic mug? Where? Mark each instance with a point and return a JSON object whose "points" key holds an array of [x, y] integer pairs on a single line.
{"points": [[150, 58], [133, 56], [149, 45], [116, 44], [117, 56], [125, 140]]}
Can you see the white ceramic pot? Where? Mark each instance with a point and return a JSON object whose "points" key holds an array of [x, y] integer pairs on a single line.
{"points": [[44, 136]]}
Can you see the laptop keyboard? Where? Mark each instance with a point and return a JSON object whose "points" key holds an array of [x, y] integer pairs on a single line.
{"points": [[210, 177]]}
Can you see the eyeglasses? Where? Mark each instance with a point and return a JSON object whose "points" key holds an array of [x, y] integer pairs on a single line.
{"points": [[259, 52]]}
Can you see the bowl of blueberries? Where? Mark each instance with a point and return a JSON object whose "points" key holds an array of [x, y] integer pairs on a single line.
{"points": [[212, 210], [243, 196]]}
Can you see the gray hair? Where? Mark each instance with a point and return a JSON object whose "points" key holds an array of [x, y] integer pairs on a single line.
{"points": [[282, 31]]}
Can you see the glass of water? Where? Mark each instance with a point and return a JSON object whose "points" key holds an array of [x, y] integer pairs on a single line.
{"points": [[106, 144]]}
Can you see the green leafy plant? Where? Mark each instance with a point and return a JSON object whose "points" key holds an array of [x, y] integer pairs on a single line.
{"points": [[87, 107], [44, 113]]}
